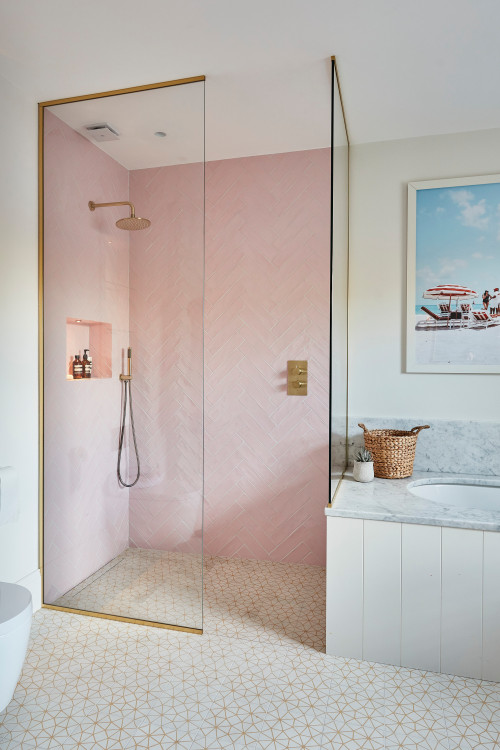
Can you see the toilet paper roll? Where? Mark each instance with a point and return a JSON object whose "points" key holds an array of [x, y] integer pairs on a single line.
{"points": [[9, 506]]}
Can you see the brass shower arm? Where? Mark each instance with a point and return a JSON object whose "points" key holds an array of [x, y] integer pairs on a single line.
{"points": [[93, 206]]}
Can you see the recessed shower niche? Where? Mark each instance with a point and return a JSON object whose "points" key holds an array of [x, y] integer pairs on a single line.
{"points": [[123, 246], [94, 337]]}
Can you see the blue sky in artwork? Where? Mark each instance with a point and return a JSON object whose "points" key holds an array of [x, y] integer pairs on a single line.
{"points": [[458, 238]]}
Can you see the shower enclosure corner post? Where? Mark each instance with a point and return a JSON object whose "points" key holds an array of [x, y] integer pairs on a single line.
{"points": [[40, 348], [204, 266]]}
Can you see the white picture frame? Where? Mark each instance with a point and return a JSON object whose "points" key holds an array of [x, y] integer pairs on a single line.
{"points": [[461, 215]]}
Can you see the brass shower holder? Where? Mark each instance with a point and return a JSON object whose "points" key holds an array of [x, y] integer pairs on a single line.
{"points": [[128, 376], [297, 377]]}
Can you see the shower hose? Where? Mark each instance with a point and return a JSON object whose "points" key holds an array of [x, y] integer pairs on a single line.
{"points": [[127, 395]]}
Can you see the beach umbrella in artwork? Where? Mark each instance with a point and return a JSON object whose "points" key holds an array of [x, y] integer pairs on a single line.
{"points": [[450, 292]]}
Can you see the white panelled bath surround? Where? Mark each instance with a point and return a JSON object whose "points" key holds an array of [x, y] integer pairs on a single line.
{"points": [[413, 581]]}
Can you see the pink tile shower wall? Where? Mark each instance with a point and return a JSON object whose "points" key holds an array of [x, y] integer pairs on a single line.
{"points": [[267, 248], [267, 301], [86, 276], [166, 321]]}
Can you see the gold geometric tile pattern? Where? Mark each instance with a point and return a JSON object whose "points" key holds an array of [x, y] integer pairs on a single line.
{"points": [[257, 678], [144, 584]]}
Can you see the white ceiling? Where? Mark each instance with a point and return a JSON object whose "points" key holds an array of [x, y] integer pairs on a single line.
{"points": [[407, 67], [174, 110]]}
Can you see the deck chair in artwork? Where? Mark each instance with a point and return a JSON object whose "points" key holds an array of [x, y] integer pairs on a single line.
{"points": [[466, 314], [481, 319]]}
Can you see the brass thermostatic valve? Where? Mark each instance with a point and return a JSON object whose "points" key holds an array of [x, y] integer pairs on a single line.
{"points": [[297, 377]]}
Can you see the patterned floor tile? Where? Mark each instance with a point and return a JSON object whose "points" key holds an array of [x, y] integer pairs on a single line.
{"points": [[475, 733], [229, 727], [145, 584], [297, 732], [416, 738], [257, 679], [355, 737]]}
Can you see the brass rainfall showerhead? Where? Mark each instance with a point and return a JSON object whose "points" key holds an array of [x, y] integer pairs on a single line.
{"points": [[130, 223]]}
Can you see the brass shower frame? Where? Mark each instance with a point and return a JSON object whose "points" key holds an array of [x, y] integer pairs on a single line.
{"points": [[41, 111]]}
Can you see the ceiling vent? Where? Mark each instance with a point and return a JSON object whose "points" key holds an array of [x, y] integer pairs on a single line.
{"points": [[101, 131]]}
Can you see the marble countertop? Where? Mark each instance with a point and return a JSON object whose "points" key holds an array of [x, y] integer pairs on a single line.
{"points": [[391, 500]]}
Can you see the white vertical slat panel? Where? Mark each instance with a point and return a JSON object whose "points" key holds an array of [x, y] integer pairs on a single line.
{"points": [[491, 607], [420, 596], [344, 587], [461, 607], [382, 592]]}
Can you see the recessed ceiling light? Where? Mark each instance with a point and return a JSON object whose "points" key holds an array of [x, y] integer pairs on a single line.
{"points": [[160, 134], [78, 321]]}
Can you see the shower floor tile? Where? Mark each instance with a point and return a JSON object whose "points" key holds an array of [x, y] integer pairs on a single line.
{"points": [[258, 678], [146, 585]]}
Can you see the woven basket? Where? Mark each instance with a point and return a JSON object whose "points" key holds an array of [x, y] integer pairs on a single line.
{"points": [[393, 451]]}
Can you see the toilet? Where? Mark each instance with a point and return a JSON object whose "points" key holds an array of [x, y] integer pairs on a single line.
{"points": [[15, 624]]}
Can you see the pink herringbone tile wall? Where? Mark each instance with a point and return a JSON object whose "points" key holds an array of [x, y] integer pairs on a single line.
{"points": [[86, 277], [267, 301], [166, 323], [267, 265]]}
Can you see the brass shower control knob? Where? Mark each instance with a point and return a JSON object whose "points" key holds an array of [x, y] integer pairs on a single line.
{"points": [[297, 377]]}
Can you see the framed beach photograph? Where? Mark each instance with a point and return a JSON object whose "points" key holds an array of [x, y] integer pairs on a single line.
{"points": [[453, 275]]}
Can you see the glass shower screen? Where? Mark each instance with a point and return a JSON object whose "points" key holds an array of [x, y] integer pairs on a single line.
{"points": [[122, 297]]}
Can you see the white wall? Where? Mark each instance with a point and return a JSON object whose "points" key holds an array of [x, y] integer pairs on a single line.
{"points": [[18, 330], [378, 385]]}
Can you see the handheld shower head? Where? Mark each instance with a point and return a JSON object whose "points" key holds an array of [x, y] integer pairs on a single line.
{"points": [[130, 223]]}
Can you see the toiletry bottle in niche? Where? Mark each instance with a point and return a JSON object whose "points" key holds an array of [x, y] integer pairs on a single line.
{"points": [[87, 364], [77, 368]]}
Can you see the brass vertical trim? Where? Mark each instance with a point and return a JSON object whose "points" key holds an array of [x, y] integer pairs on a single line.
{"points": [[348, 295], [41, 110], [334, 61], [330, 290], [40, 345], [203, 311], [335, 77], [337, 488], [348, 268]]}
